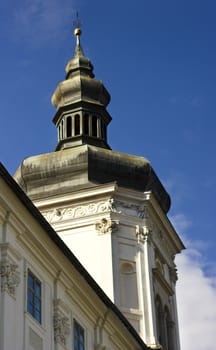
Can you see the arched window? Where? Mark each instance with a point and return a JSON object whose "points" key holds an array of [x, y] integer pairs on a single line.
{"points": [[77, 125], [69, 126], [94, 126], [86, 124]]}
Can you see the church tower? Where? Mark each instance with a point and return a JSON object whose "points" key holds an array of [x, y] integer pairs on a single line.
{"points": [[110, 208]]}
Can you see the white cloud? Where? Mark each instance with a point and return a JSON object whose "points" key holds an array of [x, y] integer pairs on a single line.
{"points": [[196, 296], [196, 291], [42, 21]]}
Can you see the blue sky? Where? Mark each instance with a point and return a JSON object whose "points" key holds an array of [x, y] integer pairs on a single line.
{"points": [[157, 59]]}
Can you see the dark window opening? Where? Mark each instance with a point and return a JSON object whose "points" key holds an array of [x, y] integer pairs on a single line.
{"points": [[69, 127], [86, 124], [103, 130], [62, 129], [77, 125], [94, 126]]}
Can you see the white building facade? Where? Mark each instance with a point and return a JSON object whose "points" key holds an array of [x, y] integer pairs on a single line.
{"points": [[47, 299]]}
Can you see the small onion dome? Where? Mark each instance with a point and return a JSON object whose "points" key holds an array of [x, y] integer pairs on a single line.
{"points": [[80, 84]]}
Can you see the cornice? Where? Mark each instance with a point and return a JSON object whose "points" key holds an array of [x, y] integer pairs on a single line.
{"points": [[165, 223], [81, 195]]}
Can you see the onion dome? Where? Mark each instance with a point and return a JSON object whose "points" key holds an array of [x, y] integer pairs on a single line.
{"points": [[81, 100]]}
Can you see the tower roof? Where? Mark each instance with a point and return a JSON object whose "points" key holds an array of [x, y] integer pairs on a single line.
{"points": [[81, 101]]}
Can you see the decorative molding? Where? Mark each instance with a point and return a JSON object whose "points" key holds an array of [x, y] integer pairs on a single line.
{"points": [[60, 214], [10, 278], [109, 206], [106, 226], [61, 327], [130, 209]]}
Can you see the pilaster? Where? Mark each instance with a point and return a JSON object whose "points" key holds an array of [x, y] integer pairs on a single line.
{"points": [[9, 284]]}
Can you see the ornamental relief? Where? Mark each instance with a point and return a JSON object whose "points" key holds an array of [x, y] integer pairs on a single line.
{"points": [[80, 211], [143, 234], [109, 206], [9, 277], [61, 322], [61, 326], [106, 226]]}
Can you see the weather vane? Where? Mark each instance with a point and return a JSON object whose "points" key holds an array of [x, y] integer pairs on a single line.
{"points": [[77, 30], [77, 23]]}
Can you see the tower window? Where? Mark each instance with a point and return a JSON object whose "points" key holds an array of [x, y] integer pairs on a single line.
{"points": [[94, 126], [62, 129], [103, 130], [69, 126], [34, 296], [77, 125], [79, 337], [99, 128], [86, 124]]}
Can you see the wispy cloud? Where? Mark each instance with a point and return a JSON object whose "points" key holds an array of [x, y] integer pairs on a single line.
{"points": [[194, 101], [42, 21], [180, 222], [178, 187], [197, 101]]}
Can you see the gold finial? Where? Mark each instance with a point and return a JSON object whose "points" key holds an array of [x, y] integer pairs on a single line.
{"points": [[77, 30], [77, 25]]}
